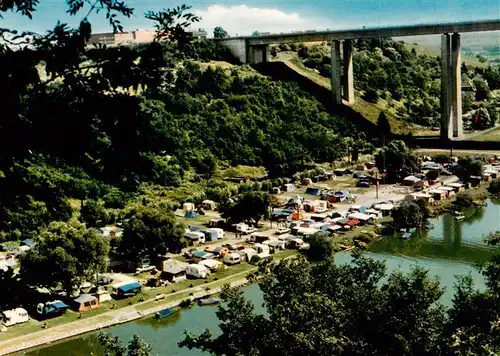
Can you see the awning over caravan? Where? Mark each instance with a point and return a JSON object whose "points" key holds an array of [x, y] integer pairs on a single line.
{"points": [[129, 287]]}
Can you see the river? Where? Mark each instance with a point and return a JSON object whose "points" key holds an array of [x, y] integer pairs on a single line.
{"points": [[447, 249]]}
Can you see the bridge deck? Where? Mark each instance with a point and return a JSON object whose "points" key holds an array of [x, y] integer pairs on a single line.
{"points": [[375, 32]]}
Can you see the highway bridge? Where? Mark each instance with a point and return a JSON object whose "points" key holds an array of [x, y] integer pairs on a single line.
{"points": [[255, 49]]}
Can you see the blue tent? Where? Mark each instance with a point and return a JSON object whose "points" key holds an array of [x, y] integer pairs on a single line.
{"points": [[190, 214], [54, 308], [130, 287]]}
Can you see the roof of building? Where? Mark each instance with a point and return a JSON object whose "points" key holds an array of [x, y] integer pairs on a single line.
{"points": [[130, 286], [84, 298], [174, 269]]}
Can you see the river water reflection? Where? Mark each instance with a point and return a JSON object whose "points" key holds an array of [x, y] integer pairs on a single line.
{"points": [[449, 248]]}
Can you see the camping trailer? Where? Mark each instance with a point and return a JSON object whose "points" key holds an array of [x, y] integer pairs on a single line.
{"points": [[218, 231], [197, 271], [232, 258], [14, 316], [196, 237]]}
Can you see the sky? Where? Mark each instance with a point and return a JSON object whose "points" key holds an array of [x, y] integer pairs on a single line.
{"points": [[245, 16]]}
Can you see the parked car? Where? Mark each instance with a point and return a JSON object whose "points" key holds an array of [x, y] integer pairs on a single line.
{"points": [[189, 253], [232, 259], [230, 247]]}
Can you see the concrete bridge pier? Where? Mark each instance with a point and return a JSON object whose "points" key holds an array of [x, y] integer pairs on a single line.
{"points": [[342, 72], [336, 76], [456, 85], [348, 80], [258, 54], [451, 87]]}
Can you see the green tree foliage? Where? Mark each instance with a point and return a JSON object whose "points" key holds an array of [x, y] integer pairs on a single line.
{"points": [[114, 347], [152, 230], [14, 291], [371, 95], [424, 209], [388, 69], [482, 89], [65, 254], [408, 215], [140, 115], [468, 167], [397, 160], [481, 120], [494, 187], [325, 309], [219, 32], [432, 175], [383, 125], [463, 200], [250, 207], [320, 247], [94, 214]]}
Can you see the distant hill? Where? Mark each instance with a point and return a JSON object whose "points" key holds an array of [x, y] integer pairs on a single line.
{"points": [[486, 44]]}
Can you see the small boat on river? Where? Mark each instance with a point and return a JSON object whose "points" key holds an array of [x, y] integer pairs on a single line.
{"points": [[209, 301], [164, 313], [458, 215]]}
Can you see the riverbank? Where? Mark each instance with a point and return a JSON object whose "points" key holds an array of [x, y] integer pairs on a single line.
{"points": [[123, 315], [108, 319]]}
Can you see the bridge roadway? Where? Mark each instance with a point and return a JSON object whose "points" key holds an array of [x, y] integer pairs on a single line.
{"points": [[374, 32], [256, 49]]}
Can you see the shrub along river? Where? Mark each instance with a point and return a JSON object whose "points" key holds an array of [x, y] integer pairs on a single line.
{"points": [[449, 248]]}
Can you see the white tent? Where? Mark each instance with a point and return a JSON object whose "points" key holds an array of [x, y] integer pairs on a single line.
{"points": [[211, 264], [360, 216]]}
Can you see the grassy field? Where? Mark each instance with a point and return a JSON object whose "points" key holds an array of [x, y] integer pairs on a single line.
{"points": [[369, 110], [489, 136], [457, 153]]}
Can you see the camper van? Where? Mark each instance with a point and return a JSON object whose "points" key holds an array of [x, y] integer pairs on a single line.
{"points": [[51, 309], [140, 263], [244, 228], [197, 271], [232, 259], [14, 316], [219, 232], [196, 236], [261, 249]]}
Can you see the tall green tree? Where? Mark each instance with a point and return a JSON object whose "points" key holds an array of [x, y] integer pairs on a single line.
{"points": [[408, 215], [320, 247], [219, 32], [65, 254], [468, 167], [397, 160], [114, 347], [94, 214], [325, 309], [152, 230], [250, 207], [383, 124]]}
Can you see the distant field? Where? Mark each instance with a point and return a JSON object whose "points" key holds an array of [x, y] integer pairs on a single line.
{"points": [[489, 136], [435, 51]]}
